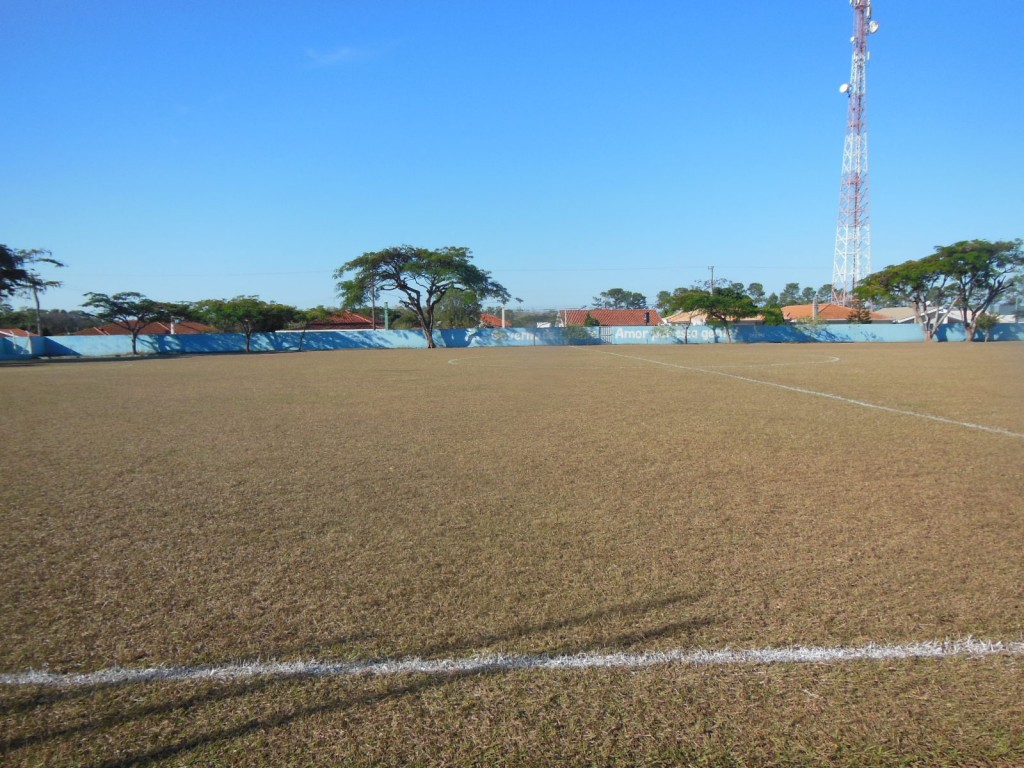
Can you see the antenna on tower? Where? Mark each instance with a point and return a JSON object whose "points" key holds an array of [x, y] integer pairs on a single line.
{"points": [[853, 232]]}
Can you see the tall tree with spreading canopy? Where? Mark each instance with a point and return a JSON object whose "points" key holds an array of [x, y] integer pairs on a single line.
{"points": [[721, 306], [966, 278], [980, 272], [422, 276], [129, 310], [245, 314], [34, 283], [921, 283]]}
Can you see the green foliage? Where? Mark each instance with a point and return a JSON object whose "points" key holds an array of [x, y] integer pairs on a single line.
{"points": [[12, 272], [422, 277], [985, 323], [756, 292], [245, 314], [967, 276], [721, 306], [48, 322], [19, 274], [665, 300], [773, 315], [590, 321], [790, 294], [130, 310], [459, 309], [859, 312], [618, 298]]}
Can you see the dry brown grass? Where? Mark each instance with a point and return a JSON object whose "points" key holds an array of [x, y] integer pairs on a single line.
{"points": [[368, 504]]}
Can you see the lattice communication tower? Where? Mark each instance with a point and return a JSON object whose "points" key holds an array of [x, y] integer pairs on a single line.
{"points": [[853, 233]]}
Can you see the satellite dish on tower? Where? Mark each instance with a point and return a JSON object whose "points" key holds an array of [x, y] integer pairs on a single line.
{"points": [[844, 88], [873, 27]]}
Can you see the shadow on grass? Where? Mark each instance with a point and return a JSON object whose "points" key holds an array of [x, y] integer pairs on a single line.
{"points": [[226, 691], [629, 609]]}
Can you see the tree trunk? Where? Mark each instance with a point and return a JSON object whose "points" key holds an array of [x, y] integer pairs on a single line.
{"points": [[39, 322], [427, 323]]}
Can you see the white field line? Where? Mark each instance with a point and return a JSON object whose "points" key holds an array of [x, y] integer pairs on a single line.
{"points": [[969, 647], [829, 395]]}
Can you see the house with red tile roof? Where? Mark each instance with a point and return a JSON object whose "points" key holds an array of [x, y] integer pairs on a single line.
{"points": [[829, 313], [12, 332], [171, 327], [606, 317], [344, 320], [488, 320]]}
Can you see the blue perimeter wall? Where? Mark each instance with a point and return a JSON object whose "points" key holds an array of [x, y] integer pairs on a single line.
{"points": [[289, 341]]}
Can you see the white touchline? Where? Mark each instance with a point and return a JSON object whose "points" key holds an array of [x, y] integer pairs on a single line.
{"points": [[507, 663], [830, 396]]}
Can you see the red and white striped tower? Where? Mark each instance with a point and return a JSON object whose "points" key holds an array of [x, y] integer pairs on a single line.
{"points": [[853, 233]]}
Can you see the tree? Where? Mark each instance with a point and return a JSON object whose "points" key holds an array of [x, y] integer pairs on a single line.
{"points": [[459, 309], [618, 298], [772, 315], [665, 300], [12, 272], [790, 294], [129, 310], [756, 292], [245, 314], [859, 312], [34, 284], [808, 295], [302, 319], [980, 272], [985, 323], [921, 283], [422, 276], [55, 322], [721, 306], [966, 277]]}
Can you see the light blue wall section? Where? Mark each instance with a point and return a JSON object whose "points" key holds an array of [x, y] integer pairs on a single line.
{"points": [[755, 334], [521, 337], [285, 341], [183, 344], [19, 347], [1002, 332]]}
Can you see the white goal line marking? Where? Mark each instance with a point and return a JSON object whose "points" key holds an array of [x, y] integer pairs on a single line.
{"points": [[969, 647], [829, 395]]}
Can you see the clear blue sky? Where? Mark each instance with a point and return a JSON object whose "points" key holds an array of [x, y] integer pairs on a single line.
{"points": [[191, 149]]}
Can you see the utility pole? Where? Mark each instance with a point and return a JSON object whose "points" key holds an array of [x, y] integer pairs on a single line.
{"points": [[853, 232], [712, 279]]}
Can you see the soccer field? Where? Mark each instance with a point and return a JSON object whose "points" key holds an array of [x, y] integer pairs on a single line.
{"points": [[488, 511]]}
